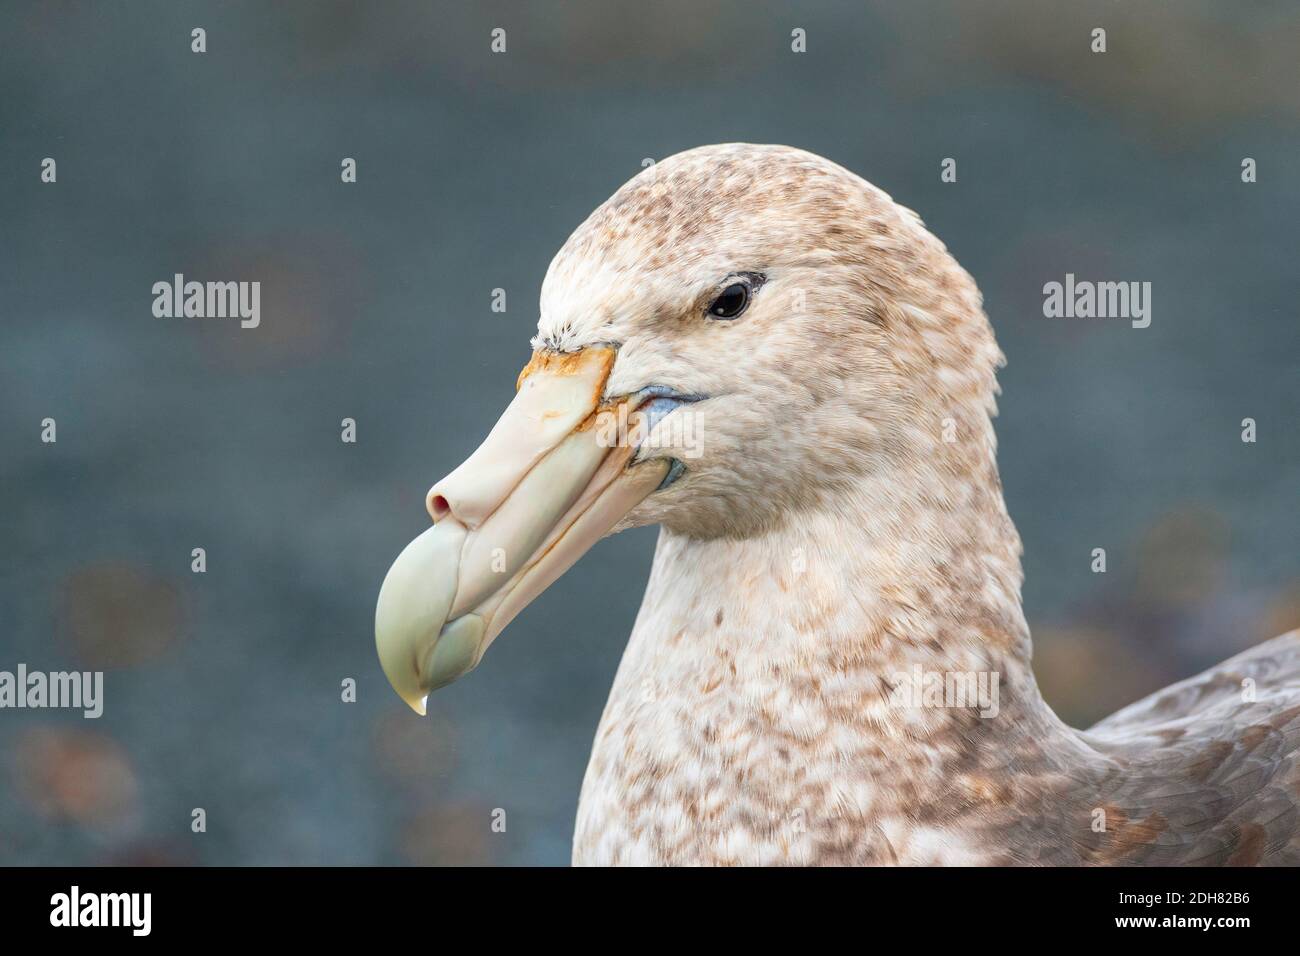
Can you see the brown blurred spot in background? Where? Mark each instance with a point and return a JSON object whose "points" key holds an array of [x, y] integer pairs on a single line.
{"points": [[449, 833], [117, 614], [1281, 615], [1181, 559], [1086, 673], [77, 776], [306, 286]]}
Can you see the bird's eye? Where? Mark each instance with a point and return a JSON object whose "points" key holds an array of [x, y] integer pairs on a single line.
{"points": [[731, 301]]}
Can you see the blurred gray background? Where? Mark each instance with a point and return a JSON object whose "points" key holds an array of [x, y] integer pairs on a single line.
{"points": [[223, 689]]}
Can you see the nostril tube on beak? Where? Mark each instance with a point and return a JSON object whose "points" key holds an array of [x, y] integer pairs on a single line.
{"points": [[557, 393], [438, 507]]}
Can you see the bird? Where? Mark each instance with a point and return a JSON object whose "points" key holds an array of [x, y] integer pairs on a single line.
{"points": [[763, 354]]}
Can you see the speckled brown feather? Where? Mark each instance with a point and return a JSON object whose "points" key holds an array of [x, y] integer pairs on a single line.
{"points": [[844, 525]]}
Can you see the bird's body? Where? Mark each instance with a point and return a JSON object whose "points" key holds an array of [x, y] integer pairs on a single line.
{"points": [[831, 664], [747, 726]]}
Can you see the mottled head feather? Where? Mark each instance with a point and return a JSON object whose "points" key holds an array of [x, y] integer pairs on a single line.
{"points": [[865, 347]]}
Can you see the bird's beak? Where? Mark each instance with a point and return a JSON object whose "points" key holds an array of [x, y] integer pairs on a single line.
{"points": [[551, 479]]}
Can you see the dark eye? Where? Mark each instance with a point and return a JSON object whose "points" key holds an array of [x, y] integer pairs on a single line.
{"points": [[731, 301]]}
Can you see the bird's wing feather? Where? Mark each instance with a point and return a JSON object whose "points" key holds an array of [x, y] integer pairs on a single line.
{"points": [[1208, 770], [1273, 665]]}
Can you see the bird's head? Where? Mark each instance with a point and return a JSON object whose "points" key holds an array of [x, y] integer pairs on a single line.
{"points": [[737, 335]]}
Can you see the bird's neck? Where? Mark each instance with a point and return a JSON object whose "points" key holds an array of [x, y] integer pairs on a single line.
{"points": [[885, 581], [869, 651]]}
